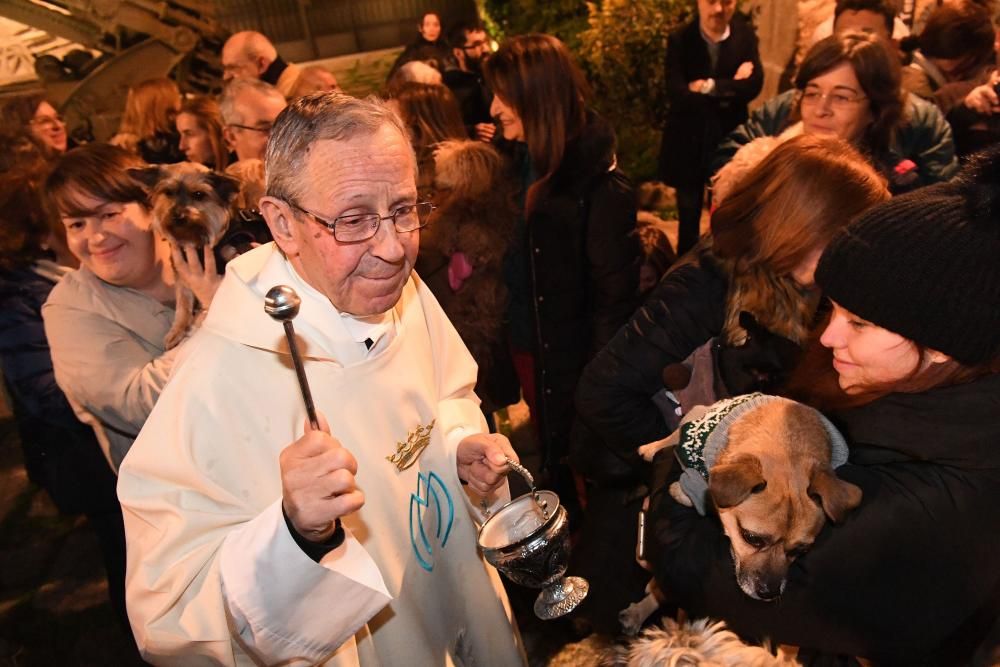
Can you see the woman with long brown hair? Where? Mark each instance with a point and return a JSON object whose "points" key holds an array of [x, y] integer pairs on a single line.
{"points": [[765, 240], [758, 260], [913, 340], [572, 268], [199, 125]]}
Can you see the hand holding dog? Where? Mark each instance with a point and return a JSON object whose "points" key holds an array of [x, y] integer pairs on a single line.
{"points": [[202, 279], [482, 461], [317, 482], [984, 99]]}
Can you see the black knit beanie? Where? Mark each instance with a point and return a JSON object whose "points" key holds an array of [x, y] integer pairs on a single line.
{"points": [[926, 265]]}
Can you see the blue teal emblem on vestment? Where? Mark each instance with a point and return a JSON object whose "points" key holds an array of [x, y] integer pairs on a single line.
{"points": [[432, 513]]}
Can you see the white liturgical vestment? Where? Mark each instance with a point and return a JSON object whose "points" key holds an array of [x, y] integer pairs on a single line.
{"points": [[214, 576]]}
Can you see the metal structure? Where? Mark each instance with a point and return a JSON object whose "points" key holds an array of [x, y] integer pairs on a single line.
{"points": [[143, 39], [140, 39]]}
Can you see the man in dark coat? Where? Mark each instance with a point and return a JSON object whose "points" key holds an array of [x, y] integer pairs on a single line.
{"points": [[464, 77], [713, 71]]}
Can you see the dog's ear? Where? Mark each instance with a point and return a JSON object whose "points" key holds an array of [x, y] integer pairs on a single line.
{"points": [[731, 483], [148, 176], [834, 495], [227, 186]]}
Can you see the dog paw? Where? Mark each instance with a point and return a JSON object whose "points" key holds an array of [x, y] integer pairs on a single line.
{"points": [[677, 493]]}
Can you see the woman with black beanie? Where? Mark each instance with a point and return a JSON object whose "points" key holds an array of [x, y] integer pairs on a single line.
{"points": [[912, 577]]}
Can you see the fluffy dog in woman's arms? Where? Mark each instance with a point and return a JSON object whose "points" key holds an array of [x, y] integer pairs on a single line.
{"points": [[191, 207]]}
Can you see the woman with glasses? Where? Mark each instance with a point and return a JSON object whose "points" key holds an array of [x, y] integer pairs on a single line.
{"points": [[848, 87], [33, 116], [572, 268], [106, 321]]}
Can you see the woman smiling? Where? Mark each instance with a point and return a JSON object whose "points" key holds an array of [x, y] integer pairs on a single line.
{"points": [[848, 87], [106, 321]]}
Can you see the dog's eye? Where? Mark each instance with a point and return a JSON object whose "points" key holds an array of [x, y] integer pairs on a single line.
{"points": [[753, 539], [197, 195], [760, 487], [798, 552]]}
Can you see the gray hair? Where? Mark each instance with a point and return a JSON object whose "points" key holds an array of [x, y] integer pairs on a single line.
{"points": [[240, 86], [317, 117]]}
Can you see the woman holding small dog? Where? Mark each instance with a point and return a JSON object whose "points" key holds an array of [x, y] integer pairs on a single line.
{"points": [[912, 576], [759, 259], [106, 321]]}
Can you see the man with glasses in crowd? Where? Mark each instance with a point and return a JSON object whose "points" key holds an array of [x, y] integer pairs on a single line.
{"points": [[255, 536], [249, 108], [470, 47]]}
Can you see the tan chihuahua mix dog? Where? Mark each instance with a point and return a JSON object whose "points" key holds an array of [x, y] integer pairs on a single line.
{"points": [[191, 206], [770, 465]]}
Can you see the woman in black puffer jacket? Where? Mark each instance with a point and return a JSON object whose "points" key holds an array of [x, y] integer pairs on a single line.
{"points": [[573, 266]]}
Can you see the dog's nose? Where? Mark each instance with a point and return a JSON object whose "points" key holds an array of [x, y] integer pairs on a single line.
{"points": [[768, 590]]}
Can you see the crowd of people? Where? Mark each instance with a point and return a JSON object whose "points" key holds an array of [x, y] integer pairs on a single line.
{"points": [[467, 239]]}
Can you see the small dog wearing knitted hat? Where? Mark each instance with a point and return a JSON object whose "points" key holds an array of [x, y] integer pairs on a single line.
{"points": [[767, 466]]}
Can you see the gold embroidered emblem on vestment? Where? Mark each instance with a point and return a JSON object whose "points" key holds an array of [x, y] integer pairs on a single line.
{"points": [[408, 452]]}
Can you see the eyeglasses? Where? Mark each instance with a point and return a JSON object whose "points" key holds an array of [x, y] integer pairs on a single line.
{"points": [[838, 100], [478, 44], [263, 129], [47, 122], [363, 226]]}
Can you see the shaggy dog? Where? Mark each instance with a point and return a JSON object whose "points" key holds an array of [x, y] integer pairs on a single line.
{"points": [[191, 206], [701, 643]]}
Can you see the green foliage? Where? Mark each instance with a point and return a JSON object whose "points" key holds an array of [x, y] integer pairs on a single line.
{"points": [[623, 52], [563, 18]]}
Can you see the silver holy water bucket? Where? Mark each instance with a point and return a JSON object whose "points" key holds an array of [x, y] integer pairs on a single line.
{"points": [[528, 540]]}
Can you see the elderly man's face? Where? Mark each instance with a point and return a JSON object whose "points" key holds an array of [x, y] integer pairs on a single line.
{"points": [[236, 63], [257, 113], [374, 174]]}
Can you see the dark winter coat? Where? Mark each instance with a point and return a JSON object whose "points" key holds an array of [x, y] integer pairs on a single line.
{"points": [[583, 258], [472, 95], [924, 137], [61, 454], [912, 577], [697, 122], [614, 396]]}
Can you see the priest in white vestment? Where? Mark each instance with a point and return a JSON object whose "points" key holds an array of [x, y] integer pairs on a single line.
{"points": [[256, 539]]}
